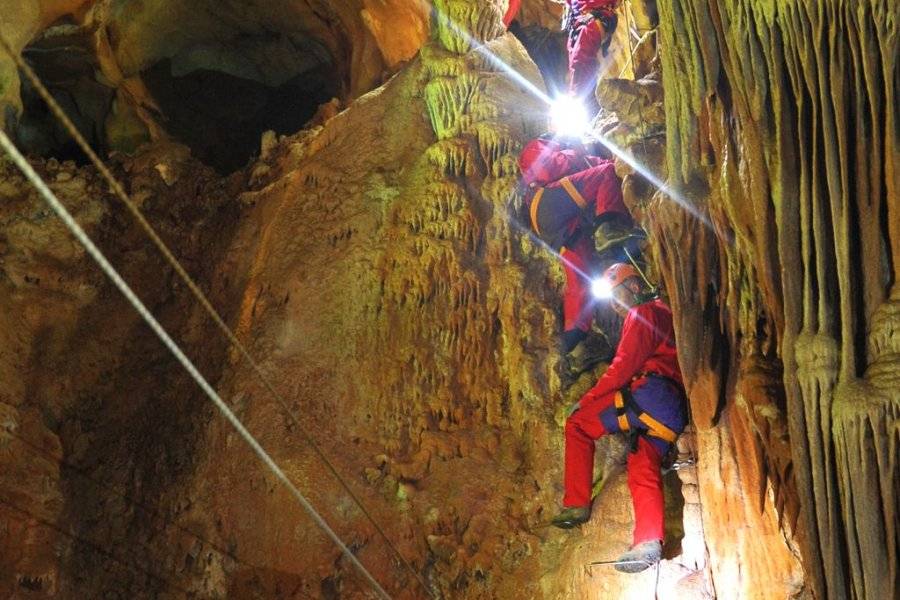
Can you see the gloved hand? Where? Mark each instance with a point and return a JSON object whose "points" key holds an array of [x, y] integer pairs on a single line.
{"points": [[571, 410]]}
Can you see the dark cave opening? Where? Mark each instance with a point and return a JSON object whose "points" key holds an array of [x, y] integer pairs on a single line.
{"points": [[65, 64], [221, 116]]}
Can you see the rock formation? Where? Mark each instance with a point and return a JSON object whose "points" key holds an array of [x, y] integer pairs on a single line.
{"points": [[782, 134], [375, 265]]}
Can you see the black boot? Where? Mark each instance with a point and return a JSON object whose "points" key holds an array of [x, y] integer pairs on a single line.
{"points": [[571, 516], [594, 350], [614, 234], [571, 338]]}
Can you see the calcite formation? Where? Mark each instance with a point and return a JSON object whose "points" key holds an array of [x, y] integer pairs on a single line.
{"points": [[782, 137], [376, 266]]}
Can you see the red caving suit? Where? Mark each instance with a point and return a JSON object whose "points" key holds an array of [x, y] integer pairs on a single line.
{"points": [[570, 193], [646, 360], [585, 43], [511, 11]]}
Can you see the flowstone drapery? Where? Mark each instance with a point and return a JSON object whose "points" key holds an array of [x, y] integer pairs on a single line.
{"points": [[782, 129]]}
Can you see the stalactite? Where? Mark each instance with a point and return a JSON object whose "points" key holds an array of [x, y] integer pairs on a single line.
{"points": [[793, 102]]}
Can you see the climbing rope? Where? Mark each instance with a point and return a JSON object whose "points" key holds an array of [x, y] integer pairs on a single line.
{"points": [[133, 564], [618, 562], [630, 60], [615, 563], [656, 585], [631, 49], [119, 191], [123, 287], [8, 429], [638, 268]]}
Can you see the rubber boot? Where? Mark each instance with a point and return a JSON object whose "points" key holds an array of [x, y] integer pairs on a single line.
{"points": [[593, 350], [640, 557], [571, 516], [613, 234]]}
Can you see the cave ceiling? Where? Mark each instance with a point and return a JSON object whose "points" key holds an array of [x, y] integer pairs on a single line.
{"points": [[164, 69]]}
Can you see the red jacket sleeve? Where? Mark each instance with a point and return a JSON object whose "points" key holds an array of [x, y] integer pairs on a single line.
{"points": [[510, 15], [609, 190], [643, 331]]}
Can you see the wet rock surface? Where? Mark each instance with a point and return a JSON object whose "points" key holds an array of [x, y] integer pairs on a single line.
{"points": [[781, 137]]}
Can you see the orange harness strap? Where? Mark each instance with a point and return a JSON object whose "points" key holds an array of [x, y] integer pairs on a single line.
{"points": [[654, 427], [573, 192], [534, 209]]}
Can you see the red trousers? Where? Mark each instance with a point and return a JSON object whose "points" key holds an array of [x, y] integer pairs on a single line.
{"points": [[600, 185], [578, 263], [644, 477], [512, 9], [583, 49]]}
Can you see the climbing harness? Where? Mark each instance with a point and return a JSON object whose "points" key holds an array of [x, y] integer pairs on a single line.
{"points": [[566, 191], [624, 402], [573, 192], [119, 191]]}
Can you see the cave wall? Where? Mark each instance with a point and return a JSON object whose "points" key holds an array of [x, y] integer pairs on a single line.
{"points": [[20, 22], [350, 237], [782, 136], [387, 284], [85, 385], [372, 266]]}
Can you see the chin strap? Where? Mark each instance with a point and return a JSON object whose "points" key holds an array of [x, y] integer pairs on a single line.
{"points": [[653, 291], [647, 296]]}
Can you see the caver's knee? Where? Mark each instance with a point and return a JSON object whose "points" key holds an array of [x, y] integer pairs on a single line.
{"points": [[572, 427], [577, 427]]}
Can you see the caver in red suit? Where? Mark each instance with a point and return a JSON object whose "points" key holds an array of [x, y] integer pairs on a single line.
{"points": [[590, 25], [511, 11], [571, 193], [641, 392]]}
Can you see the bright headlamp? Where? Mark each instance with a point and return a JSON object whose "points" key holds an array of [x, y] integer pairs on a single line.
{"points": [[568, 117], [601, 289]]}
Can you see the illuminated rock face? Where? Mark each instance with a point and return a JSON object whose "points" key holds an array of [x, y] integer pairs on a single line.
{"points": [[373, 266], [376, 271]]}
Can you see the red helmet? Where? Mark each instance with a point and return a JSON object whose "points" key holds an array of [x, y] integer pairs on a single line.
{"points": [[619, 273], [533, 158]]}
